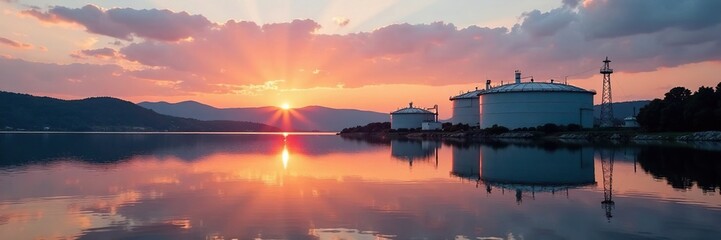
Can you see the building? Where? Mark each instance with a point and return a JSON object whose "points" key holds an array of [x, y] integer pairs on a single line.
{"points": [[466, 109], [412, 117], [532, 104]]}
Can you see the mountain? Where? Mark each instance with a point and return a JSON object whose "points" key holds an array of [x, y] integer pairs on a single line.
{"points": [[622, 110], [311, 118], [27, 112]]}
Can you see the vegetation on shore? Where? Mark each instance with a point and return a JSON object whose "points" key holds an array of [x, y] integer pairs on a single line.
{"points": [[681, 110], [385, 127]]}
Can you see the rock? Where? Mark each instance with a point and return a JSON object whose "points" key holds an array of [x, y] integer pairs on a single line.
{"points": [[515, 135], [642, 137], [574, 136], [701, 136]]}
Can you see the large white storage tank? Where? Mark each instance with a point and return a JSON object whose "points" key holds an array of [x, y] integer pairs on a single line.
{"points": [[411, 117], [466, 109], [531, 104]]}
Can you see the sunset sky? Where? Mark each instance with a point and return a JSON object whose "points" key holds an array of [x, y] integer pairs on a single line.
{"points": [[372, 54]]}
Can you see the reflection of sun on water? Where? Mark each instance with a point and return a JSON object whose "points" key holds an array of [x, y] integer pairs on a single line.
{"points": [[285, 156]]}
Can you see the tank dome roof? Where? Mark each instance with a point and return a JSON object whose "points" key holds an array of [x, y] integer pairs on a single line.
{"points": [[467, 95], [411, 110], [535, 87]]}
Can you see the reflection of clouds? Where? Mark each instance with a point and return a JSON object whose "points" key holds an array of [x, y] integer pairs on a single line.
{"points": [[366, 190], [344, 233], [395, 208], [61, 218], [165, 180]]}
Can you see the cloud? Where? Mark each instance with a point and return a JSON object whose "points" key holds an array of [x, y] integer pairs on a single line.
{"points": [[75, 79], [548, 44], [15, 44], [617, 18], [340, 21], [100, 53], [245, 56], [543, 24], [125, 23], [571, 3]]}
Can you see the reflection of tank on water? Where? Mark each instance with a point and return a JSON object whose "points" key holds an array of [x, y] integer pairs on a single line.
{"points": [[467, 162], [526, 169], [413, 150]]}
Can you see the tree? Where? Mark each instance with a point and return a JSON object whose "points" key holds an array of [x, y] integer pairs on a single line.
{"points": [[648, 116], [681, 110]]}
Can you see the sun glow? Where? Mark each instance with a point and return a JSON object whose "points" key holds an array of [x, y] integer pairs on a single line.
{"points": [[285, 106]]}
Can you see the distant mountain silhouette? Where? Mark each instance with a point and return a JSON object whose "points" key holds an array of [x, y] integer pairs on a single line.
{"points": [[311, 118], [27, 112], [622, 110]]}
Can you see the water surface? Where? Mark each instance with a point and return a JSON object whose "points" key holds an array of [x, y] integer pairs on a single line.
{"points": [[244, 186]]}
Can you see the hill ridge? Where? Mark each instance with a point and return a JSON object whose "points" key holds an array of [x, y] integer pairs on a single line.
{"points": [[20, 111]]}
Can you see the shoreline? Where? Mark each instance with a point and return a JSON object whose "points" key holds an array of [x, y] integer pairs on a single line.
{"points": [[591, 136], [171, 133]]}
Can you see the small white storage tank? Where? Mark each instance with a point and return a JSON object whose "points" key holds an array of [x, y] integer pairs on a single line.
{"points": [[411, 117], [466, 109], [630, 122], [532, 104]]}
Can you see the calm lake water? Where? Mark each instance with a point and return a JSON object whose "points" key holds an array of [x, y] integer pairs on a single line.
{"points": [[226, 186]]}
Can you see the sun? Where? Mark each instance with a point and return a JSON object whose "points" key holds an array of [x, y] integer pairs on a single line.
{"points": [[285, 106]]}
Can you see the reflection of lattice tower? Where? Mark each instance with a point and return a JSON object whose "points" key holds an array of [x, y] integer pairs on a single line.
{"points": [[606, 101], [607, 167]]}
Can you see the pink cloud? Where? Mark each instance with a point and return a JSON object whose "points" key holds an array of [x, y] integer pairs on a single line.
{"points": [[124, 23], [100, 53], [15, 44], [75, 79], [546, 45]]}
